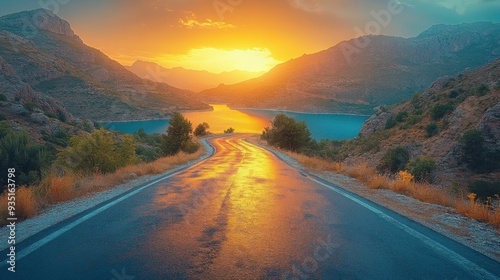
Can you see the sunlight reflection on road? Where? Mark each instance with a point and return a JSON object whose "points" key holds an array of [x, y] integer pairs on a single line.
{"points": [[236, 215]]}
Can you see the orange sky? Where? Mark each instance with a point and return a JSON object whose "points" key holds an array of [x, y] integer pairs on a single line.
{"points": [[254, 35]]}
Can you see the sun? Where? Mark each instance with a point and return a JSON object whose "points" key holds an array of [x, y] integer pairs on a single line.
{"points": [[220, 60]]}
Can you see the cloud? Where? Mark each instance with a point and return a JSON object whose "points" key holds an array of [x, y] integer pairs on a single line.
{"points": [[191, 22]]}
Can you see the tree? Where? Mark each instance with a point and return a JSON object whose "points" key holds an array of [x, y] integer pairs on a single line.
{"points": [[229, 130], [440, 110], [29, 160], [286, 133], [473, 150], [432, 129], [178, 134], [394, 160], [422, 168], [201, 129]]}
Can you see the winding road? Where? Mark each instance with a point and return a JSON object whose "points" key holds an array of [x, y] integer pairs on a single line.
{"points": [[244, 214]]}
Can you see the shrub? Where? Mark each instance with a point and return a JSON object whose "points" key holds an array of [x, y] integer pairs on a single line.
{"points": [[229, 130], [422, 168], [453, 94], [393, 160], [3, 97], [482, 90], [391, 122], [287, 134], [440, 110], [413, 119], [201, 129], [484, 189], [475, 155], [98, 152], [60, 138], [29, 160], [178, 134], [190, 147], [2, 117], [30, 106], [401, 116], [432, 129], [51, 115]]}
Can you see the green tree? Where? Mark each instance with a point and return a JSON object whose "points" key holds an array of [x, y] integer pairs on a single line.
{"points": [[178, 134], [98, 152], [474, 153], [422, 168], [432, 129], [201, 129], [394, 160], [29, 160], [440, 110], [286, 133], [126, 151]]}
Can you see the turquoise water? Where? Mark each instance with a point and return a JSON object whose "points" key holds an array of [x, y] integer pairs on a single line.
{"points": [[322, 126], [150, 127]]}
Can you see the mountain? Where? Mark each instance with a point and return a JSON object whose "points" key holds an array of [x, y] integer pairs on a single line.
{"points": [[42, 51], [358, 75], [434, 121], [193, 80]]}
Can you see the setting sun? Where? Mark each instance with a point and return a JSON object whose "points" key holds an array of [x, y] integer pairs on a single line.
{"points": [[219, 60]]}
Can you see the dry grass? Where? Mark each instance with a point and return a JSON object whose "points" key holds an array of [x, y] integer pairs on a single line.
{"points": [[403, 184], [26, 202], [317, 163], [377, 181], [58, 188]]}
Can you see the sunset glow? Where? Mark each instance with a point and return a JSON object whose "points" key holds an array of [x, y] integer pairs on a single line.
{"points": [[247, 35], [218, 60]]}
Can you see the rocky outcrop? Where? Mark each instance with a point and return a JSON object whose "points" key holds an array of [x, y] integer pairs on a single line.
{"points": [[490, 126], [33, 21], [375, 123]]}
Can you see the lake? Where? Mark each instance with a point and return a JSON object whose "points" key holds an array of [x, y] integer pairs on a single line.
{"points": [[322, 126]]}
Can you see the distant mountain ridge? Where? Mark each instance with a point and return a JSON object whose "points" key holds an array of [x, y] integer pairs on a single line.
{"points": [[193, 80], [351, 79], [43, 51]]}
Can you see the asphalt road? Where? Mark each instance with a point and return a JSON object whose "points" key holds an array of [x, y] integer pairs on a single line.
{"points": [[244, 214]]}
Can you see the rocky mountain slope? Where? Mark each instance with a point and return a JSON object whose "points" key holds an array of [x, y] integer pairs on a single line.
{"points": [[188, 79], [434, 121], [41, 50], [357, 75]]}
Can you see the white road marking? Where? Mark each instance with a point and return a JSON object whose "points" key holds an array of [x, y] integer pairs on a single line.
{"points": [[445, 251], [33, 247]]}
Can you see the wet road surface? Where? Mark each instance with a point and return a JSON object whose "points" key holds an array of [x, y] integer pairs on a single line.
{"points": [[245, 214]]}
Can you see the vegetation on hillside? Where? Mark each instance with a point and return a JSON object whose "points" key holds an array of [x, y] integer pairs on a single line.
{"points": [[65, 167]]}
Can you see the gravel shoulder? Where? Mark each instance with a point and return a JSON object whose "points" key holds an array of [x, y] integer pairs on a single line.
{"points": [[445, 220]]}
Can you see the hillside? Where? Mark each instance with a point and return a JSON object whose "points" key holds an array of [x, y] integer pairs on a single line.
{"points": [[42, 50], [349, 79], [188, 79], [433, 123]]}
